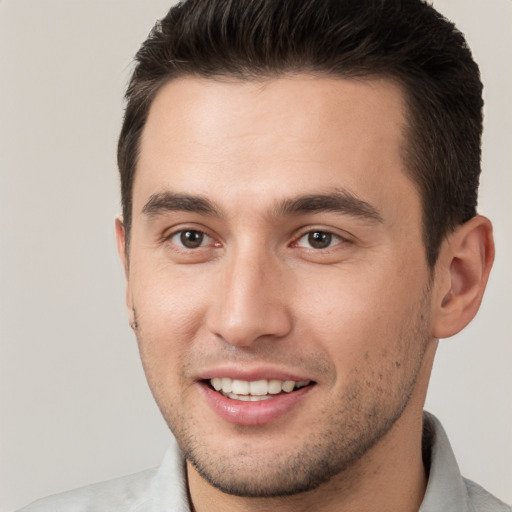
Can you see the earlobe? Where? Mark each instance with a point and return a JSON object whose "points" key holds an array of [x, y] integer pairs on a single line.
{"points": [[461, 276]]}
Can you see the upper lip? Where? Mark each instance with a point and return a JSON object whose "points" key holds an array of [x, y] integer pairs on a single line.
{"points": [[252, 374]]}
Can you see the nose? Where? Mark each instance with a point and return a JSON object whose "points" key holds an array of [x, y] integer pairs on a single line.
{"points": [[252, 301]]}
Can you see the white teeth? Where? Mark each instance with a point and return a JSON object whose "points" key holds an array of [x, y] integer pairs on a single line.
{"points": [[275, 386], [288, 386], [239, 387], [258, 387], [248, 398], [226, 385], [254, 390]]}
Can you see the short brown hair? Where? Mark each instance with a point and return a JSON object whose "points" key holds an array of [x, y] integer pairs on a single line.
{"points": [[405, 40]]}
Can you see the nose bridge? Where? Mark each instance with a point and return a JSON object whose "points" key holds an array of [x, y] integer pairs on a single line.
{"points": [[251, 300]]}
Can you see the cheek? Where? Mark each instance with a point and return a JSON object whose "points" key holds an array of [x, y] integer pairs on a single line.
{"points": [[168, 300], [169, 311], [361, 318]]}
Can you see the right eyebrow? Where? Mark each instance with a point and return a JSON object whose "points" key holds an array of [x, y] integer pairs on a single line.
{"points": [[169, 201]]}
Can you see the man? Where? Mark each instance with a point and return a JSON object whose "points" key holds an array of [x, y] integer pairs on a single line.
{"points": [[299, 184]]}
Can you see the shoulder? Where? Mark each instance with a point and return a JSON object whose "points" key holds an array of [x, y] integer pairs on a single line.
{"points": [[153, 490], [128, 493], [483, 501], [447, 490]]}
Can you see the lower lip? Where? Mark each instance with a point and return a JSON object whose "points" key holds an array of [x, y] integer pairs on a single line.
{"points": [[253, 413]]}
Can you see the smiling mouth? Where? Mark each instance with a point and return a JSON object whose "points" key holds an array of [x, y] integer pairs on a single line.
{"points": [[255, 391]]}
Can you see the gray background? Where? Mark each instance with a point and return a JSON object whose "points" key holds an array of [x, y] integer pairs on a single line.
{"points": [[74, 404]]}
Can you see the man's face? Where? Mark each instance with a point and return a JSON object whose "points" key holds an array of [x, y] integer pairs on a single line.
{"points": [[276, 254]]}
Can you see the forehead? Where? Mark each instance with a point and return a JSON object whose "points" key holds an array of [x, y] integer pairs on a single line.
{"points": [[292, 134]]}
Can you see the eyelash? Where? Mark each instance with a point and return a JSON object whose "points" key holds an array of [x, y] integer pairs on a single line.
{"points": [[319, 236], [173, 238], [312, 236]]}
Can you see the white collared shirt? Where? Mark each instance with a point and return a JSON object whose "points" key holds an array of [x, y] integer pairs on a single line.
{"points": [[164, 489]]}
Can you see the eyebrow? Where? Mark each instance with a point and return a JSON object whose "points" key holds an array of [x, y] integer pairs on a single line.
{"points": [[170, 201], [342, 201]]}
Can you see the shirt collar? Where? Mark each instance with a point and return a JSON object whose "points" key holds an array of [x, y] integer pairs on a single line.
{"points": [[446, 489], [169, 488]]}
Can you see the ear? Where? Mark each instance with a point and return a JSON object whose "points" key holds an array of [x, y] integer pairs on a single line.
{"points": [[121, 249], [121, 244], [461, 274]]}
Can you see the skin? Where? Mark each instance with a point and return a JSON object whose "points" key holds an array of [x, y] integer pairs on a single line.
{"points": [[360, 317]]}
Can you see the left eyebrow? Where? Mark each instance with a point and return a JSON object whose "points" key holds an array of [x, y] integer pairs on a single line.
{"points": [[341, 201]]}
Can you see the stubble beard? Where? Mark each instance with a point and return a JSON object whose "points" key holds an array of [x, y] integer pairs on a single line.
{"points": [[341, 437], [334, 450]]}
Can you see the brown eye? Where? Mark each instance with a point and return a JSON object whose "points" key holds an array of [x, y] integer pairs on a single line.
{"points": [[319, 239], [190, 239]]}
